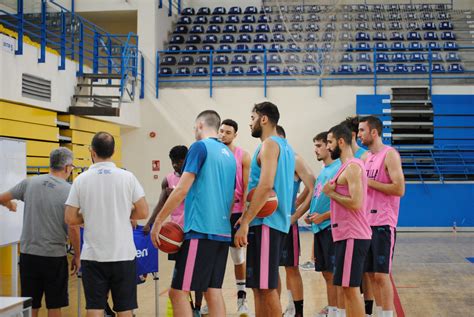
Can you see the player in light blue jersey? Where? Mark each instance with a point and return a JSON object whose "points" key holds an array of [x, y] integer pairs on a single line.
{"points": [[208, 183]]}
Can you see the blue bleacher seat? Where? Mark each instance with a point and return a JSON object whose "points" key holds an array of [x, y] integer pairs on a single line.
{"points": [[235, 10], [280, 18], [292, 58], [246, 28], [239, 59], [181, 29], [254, 71], [363, 69], [260, 38], [274, 59], [429, 26], [311, 37], [347, 8], [450, 46], [362, 8], [346, 17], [428, 16], [309, 58], [259, 47], [290, 70], [347, 58], [379, 26], [177, 39], [393, 7], [382, 68], [204, 11], [200, 71], [394, 26], [251, 10], [452, 57], [328, 36], [278, 37], [232, 19], [168, 60], [200, 19], [221, 59], [345, 36], [262, 28], [436, 57], [437, 68], [381, 57], [296, 27], [278, 27], [409, 7], [345, 69], [193, 39], [188, 11], [213, 29], [417, 57], [295, 37], [418, 69], [293, 47], [256, 59], [264, 19], [217, 19], [430, 36], [362, 46], [455, 68], [219, 10], [218, 71], [380, 36], [266, 9], [191, 48], [394, 16], [313, 18], [397, 46], [248, 19], [210, 39], [230, 28], [283, 9], [242, 48], [381, 46], [185, 20], [297, 18], [346, 26], [444, 16], [434, 46], [414, 36], [396, 36], [297, 9], [186, 60], [208, 47], [314, 9], [448, 36], [411, 16], [173, 49], [202, 60], [165, 71], [327, 47], [362, 36], [276, 47], [378, 17], [362, 17], [225, 47], [400, 69], [362, 26], [244, 38], [413, 26], [273, 70], [415, 46], [445, 25], [311, 47], [399, 57], [347, 47], [363, 57], [182, 71]]}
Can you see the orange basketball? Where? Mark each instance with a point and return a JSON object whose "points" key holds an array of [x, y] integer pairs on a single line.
{"points": [[270, 206], [171, 237]]}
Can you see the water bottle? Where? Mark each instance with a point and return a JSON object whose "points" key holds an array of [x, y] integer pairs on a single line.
{"points": [[454, 227]]}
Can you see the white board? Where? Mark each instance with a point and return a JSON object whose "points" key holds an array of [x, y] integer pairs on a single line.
{"points": [[12, 171]]}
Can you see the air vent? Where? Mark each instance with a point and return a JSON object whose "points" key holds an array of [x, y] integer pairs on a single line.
{"points": [[36, 87]]}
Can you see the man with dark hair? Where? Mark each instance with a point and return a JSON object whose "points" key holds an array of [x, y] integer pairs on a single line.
{"points": [[386, 185], [351, 232], [319, 218], [105, 198], [227, 134], [352, 123], [208, 184], [43, 260], [272, 168], [280, 131]]}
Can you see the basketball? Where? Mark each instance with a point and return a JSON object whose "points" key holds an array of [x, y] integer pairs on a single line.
{"points": [[171, 237], [270, 206]]}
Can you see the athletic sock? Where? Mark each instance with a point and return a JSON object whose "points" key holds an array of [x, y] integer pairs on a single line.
{"points": [[341, 312], [369, 305], [387, 313], [290, 298], [332, 311], [378, 311], [240, 285], [298, 308]]}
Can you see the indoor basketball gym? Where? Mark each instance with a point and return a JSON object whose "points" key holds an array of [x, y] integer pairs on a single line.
{"points": [[153, 76]]}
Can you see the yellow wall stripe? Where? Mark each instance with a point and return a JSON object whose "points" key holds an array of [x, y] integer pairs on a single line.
{"points": [[22, 113], [25, 130]]}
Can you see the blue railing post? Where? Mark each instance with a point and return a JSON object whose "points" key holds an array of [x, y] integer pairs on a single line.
{"points": [[73, 31], [375, 70], [160, 4], [81, 49], [95, 58], [109, 53], [62, 64], [157, 80], [265, 72], [430, 70], [211, 65], [20, 18], [170, 8], [179, 6], [142, 77], [320, 87], [122, 71], [42, 57]]}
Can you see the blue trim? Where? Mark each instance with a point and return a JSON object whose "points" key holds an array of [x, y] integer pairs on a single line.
{"points": [[142, 77], [20, 19], [42, 57], [157, 75], [62, 64]]}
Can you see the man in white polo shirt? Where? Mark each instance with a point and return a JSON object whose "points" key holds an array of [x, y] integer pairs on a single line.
{"points": [[104, 199]]}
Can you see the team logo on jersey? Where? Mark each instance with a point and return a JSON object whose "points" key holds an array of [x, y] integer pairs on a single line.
{"points": [[225, 152]]}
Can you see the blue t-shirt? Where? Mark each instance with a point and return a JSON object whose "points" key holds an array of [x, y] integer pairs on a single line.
{"points": [[208, 204], [358, 154], [320, 202], [296, 188]]}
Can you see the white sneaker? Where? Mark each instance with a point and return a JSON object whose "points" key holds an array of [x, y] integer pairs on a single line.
{"points": [[204, 310], [242, 307], [290, 311]]}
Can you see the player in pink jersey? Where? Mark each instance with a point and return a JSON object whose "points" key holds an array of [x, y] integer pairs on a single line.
{"points": [[227, 134], [350, 230], [385, 187]]}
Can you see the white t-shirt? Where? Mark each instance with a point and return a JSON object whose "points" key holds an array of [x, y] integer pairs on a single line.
{"points": [[105, 195]]}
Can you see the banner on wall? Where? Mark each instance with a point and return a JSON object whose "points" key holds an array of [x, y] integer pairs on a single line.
{"points": [[8, 43]]}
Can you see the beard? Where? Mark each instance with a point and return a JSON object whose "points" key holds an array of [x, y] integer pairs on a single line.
{"points": [[257, 130], [336, 153]]}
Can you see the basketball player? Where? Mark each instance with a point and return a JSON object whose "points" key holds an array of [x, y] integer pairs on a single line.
{"points": [[207, 182], [385, 187], [319, 218], [350, 230], [291, 244], [227, 134], [272, 168]]}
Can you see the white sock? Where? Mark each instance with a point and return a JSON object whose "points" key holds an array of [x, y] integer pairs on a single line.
{"points": [[240, 285], [290, 300], [341, 312], [378, 311], [387, 313], [332, 311]]}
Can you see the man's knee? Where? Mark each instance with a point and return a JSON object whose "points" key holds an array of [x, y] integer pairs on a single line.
{"points": [[176, 294], [381, 278], [292, 271], [328, 277], [237, 255]]}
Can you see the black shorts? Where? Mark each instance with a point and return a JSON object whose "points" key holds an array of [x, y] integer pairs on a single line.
{"points": [[291, 251], [44, 275], [324, 251], [200, 264], [263, 257], [118, 277], [380, 256], [233, 221], [350, 262]]}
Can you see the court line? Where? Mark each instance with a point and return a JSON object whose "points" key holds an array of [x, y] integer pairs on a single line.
{"points": [[396, 300]]}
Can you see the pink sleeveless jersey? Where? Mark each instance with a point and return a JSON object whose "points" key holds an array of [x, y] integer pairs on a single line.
{"points": [[177, 216], [382, 208], [345, 223], [239, 182]]}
